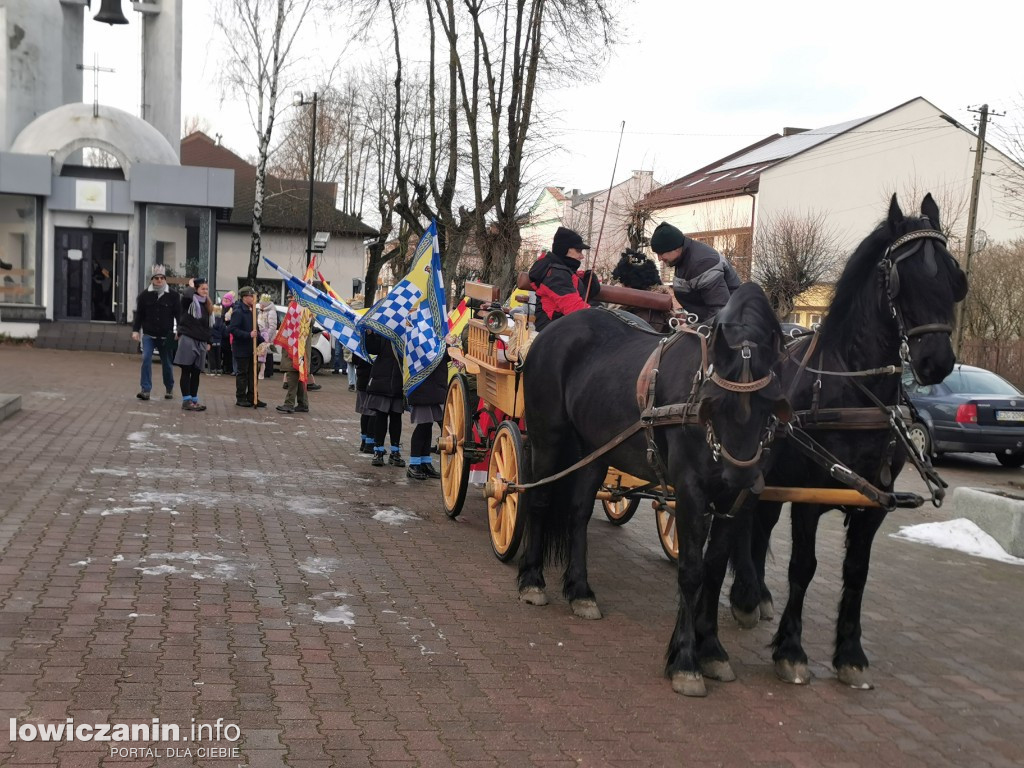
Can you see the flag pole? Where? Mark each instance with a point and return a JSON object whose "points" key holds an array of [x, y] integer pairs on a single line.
{"points": [[255, 356], [595, 252]]}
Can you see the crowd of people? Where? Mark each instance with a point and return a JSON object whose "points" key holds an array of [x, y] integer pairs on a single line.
{"points": [[191, 332]]}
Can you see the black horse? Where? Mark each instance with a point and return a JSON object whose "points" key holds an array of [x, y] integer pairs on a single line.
{"points": [[585, 383], [894, 302]]}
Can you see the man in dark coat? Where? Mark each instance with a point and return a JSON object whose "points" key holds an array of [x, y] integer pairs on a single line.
{"points": [[560, 288], [702, 279], [157, 309], [243, 334]]}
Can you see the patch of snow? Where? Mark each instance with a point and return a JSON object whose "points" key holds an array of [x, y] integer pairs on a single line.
{"points": [[117, 559], [83, 562], [114, 472], [394, 516], [340, 615], [319, 566], [120, 511], [960, 534], [305, 506], [159, 570]]}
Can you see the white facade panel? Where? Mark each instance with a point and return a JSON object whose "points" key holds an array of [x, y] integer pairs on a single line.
{"points": [[910, 151], [343, 260]]}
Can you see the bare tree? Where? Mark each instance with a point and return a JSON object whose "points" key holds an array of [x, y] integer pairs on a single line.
{"points": [[1009, 134], [994, 308], [260, 35], [486, 62], [342, 144], [193, 123], [791, 253]]}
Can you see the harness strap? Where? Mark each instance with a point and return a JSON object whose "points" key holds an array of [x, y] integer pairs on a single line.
{"points": [[803, 364]]}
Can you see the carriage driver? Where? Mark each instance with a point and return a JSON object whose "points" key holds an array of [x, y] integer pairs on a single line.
{"points": [[702, 279], [559, 286]]}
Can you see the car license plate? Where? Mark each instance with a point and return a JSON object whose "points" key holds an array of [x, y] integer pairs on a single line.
{"points": [[1009, 415]]}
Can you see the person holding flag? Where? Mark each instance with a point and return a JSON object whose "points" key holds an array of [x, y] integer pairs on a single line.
{"points": [[384, 398], [243, 334]]}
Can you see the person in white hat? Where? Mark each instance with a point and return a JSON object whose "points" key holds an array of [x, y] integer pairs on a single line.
{"points": [[157, 310]]}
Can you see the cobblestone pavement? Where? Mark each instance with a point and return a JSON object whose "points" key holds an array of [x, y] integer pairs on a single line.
{"points": [[252, 566]]}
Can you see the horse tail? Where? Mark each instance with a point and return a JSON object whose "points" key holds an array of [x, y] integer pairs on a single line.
{"points": [[548, 521]]}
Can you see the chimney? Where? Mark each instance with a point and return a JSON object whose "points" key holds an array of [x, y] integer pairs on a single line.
{"points": [[793, 131]]}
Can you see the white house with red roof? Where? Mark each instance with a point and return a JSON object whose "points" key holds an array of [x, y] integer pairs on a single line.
{"points": [[846, 171]]}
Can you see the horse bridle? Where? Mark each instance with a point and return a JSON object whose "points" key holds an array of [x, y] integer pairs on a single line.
{"points": [[745, 386], [922, 243]]}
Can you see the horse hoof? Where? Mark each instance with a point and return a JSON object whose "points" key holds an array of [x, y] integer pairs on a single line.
{"points": [[746, 619], [718, 670], [793, 672], [855, 677], [767, 608], [689, 684], [533, 596], [586, 608]]}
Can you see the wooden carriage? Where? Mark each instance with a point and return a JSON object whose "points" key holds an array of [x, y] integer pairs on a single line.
{"points": [[498, 384]]}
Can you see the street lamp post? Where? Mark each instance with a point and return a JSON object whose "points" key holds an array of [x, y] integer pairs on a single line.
{"points": [[300, 101]]}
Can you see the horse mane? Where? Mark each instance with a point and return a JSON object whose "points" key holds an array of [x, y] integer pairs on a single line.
{"points": [[857, 293]]}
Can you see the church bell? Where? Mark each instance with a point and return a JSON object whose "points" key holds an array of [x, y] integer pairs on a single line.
{"points": [[110, 12]]}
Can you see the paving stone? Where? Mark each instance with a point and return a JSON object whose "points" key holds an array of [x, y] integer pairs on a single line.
{"points": [[218, 565]]}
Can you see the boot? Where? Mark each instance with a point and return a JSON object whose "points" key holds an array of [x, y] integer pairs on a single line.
{"points": [[396, 460], [378, 459], [429, 470], [415, 471]]}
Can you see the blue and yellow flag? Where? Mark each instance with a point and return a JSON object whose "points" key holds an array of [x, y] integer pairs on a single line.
{"points": [[414, 314]]}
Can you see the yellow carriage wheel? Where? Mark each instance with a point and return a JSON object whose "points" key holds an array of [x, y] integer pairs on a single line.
{"points": [[665, 517], [456, 432], [505, 524], [620, 512]]}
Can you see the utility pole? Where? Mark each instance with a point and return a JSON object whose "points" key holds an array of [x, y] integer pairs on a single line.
{"points": [[972, 220]]}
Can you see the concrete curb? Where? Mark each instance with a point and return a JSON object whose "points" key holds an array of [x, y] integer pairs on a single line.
{"points": [[9, 405], [998, 513]]}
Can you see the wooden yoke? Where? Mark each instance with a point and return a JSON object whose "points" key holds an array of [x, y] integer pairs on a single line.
{"points": [[618, 294]]}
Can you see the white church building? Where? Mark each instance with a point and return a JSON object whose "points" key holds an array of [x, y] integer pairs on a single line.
{"points": [[76, 241]]}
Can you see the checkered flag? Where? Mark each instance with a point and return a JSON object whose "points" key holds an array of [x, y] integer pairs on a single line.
{"points": [[334, 315]]}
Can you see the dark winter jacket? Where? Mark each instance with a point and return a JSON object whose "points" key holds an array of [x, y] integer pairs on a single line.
{"points": [[240, 327], [197, 328], [386, 373], [156, 313], [703, 280], [219, 331], [434, 389], [363, 368], [559, 287]]}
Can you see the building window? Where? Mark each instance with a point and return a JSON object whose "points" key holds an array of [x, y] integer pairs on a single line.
{"points": [[18, 250], [179, 238]]}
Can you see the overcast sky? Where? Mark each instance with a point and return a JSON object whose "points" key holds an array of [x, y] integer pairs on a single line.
{"points": [[692, 81]]}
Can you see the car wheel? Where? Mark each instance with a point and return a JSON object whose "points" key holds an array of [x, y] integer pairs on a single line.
{"points": [[919, 438], [316, 361], [1011, 459]]}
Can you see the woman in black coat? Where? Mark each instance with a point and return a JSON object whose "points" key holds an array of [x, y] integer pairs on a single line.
{"points": [[384, 397], [193, 340]]}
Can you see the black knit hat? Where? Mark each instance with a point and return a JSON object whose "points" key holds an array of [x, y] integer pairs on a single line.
{"points": [[565, 239], [666, 238]]}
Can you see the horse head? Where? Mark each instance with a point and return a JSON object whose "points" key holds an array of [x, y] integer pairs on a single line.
{"points": [[741, 399], [922, 284]]}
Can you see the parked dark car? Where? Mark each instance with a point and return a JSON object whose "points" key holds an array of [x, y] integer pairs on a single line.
{"points": [[971, 411], [794, 330]]}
